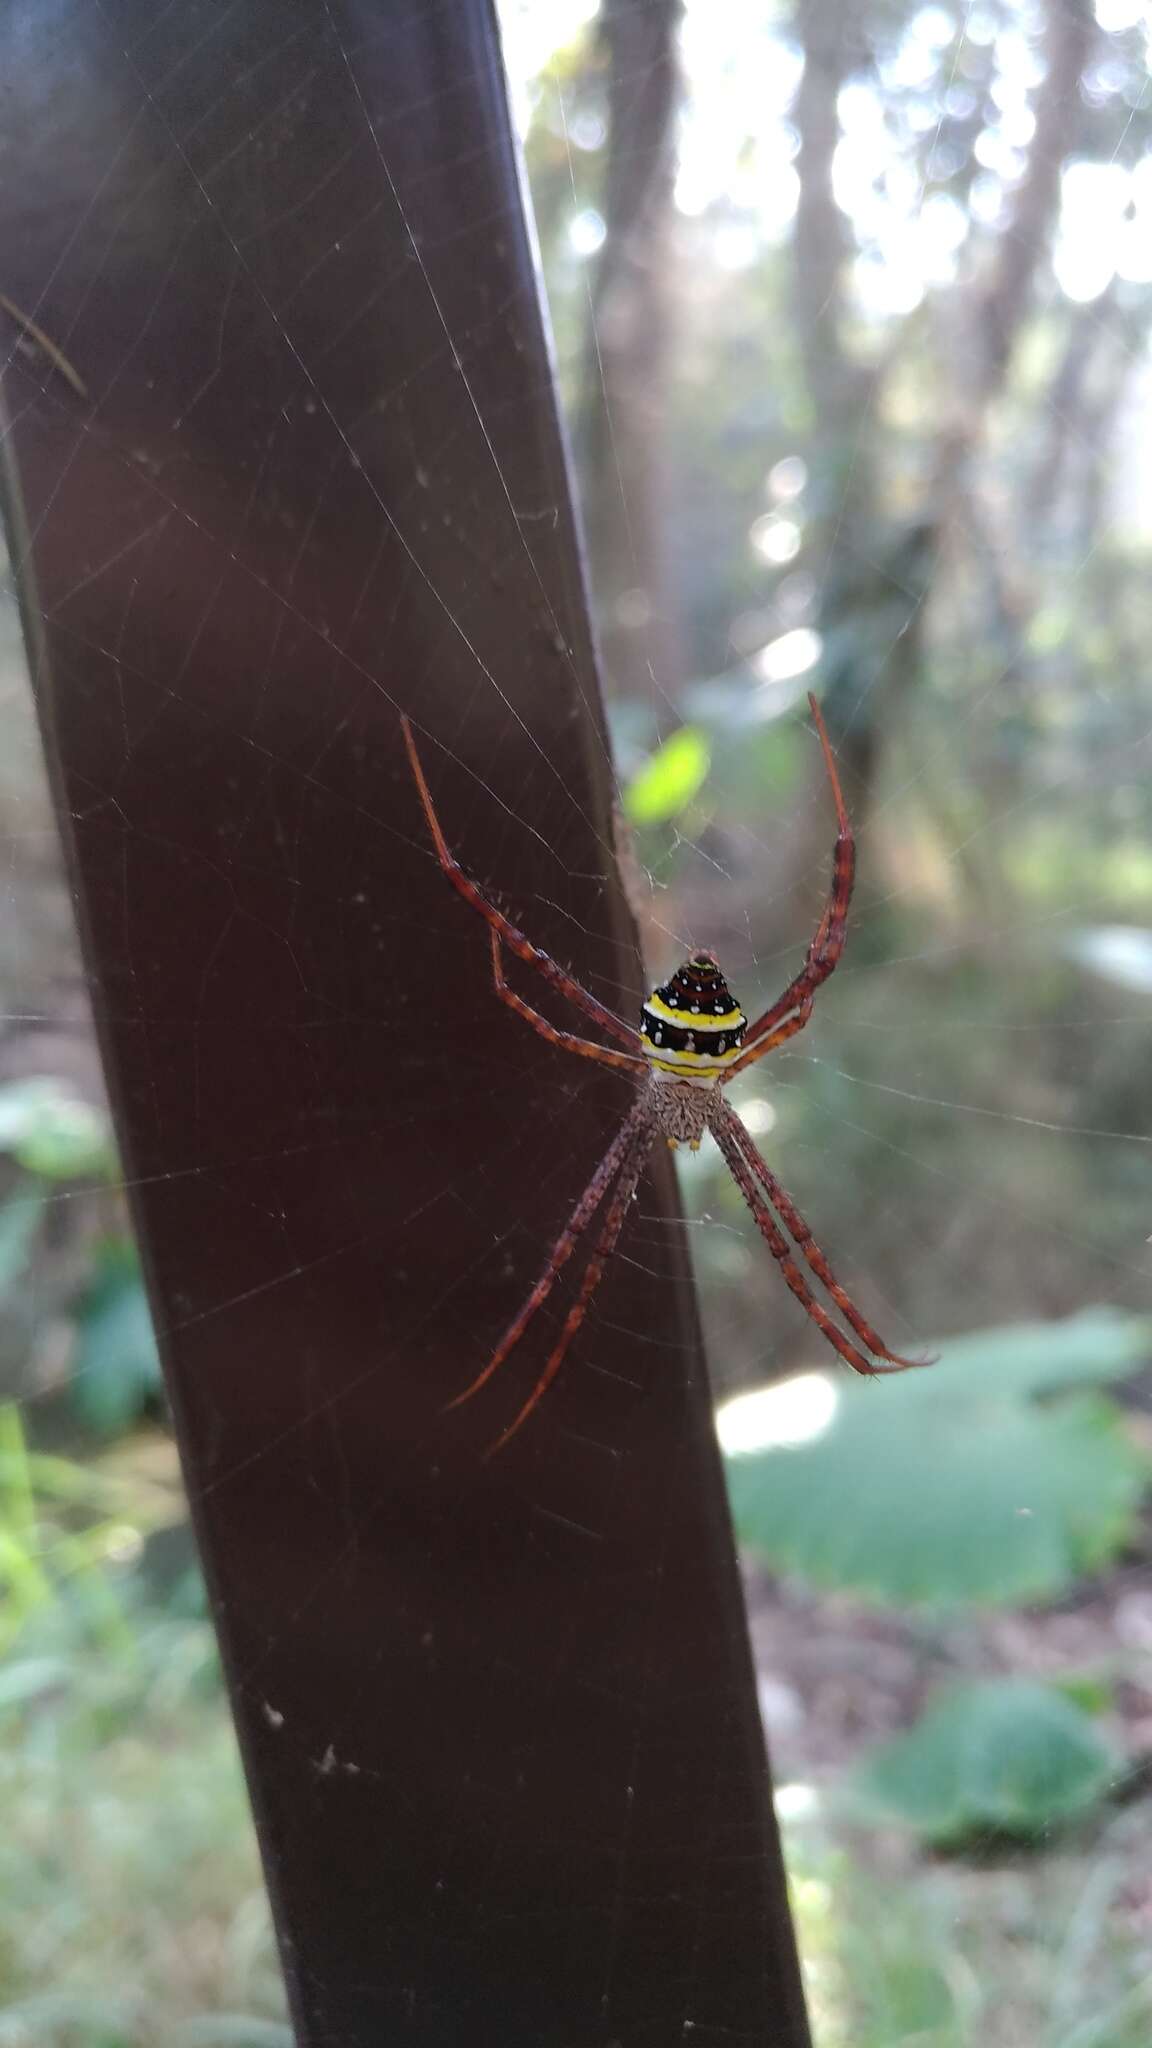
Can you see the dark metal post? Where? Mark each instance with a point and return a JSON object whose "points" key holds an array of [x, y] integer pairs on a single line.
{"points": [[499, 1720]]}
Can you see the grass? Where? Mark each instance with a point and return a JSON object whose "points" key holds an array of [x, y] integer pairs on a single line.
{"points": [[132, 1905], [1051, 1951], [132, 1908]]}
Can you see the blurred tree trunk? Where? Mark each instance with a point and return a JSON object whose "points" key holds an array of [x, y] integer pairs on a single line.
{"points": [[843, 492], [985, 335], [874, 576], [1100, 359], [622, 432], [873, 572]]}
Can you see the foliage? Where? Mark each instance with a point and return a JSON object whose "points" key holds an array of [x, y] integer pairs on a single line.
{"points": [[130, 1894], [132, 1910], [52, 1134], [1002, 1755], [989, 1479], [116, 1370], [63, 1528], [57, 1144], [669, 778], [1000, 1952]]}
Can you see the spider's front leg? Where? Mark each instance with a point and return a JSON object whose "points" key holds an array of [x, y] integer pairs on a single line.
{"points": [[566, 1040], [502, 926], [791, 1011]]}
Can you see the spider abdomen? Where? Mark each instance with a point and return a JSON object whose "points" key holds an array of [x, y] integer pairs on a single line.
{"points": [[692, 1025]]}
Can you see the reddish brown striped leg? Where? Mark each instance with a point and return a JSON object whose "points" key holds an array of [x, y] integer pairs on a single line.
{"points": [[824, 952], [769, 1044], [511, 934], [782, 1252], [794, 1222], [562, 1250], [567, 1041], [593, 1272]]}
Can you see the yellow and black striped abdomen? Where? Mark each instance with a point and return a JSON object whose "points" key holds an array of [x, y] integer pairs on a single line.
{"points": [[693, 1025]]}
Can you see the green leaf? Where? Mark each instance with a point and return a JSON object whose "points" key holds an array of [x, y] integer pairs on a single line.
{"points": [[17, 1490], [1007, 1755], [1099, 1345], [32, 1679], [1087, 1690], [670, 778], [52, 1132], [101, 2020], [958, 1485], [117, 1367], [19, 1219]]}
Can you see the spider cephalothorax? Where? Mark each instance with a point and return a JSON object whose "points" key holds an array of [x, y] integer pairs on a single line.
{"points": [[693, 1038]]}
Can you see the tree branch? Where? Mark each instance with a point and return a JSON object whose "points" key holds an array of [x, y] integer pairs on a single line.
{"points": [[1002, 301]]}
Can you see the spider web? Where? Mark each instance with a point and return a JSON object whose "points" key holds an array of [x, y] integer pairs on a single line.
{"points": [[954, 1196], [908, 1098]]}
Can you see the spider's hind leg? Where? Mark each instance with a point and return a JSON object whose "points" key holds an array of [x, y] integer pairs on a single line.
{"points": [[616, 1156], [610, 1230], [747, 1167]]}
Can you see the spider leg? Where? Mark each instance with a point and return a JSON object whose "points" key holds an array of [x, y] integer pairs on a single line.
{"points": [[802, 1236], [512, 936], [781, 1251], [824, 952], [562, 1250], [769, 1044], [567, 1040], [605, 1245]]}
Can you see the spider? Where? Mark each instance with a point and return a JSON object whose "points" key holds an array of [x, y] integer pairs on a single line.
{"points": [[693, 1039]]}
